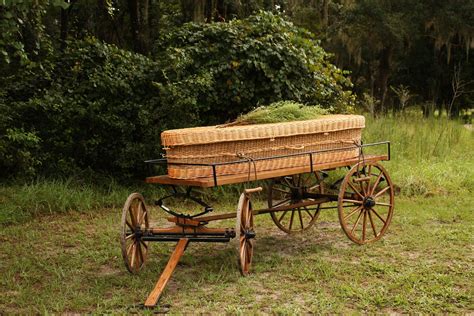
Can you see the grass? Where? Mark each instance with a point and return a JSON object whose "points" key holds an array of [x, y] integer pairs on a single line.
{"points": [[429, 156], [72, 263], [21, 202], [68, 259]]}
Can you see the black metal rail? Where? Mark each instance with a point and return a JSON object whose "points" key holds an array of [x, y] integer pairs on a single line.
{"points": [[310, 154]]}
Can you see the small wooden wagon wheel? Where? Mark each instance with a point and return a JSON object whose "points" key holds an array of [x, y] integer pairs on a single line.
{"points": [[134, 223], [245, 234], [366, 202], [290, 190]]}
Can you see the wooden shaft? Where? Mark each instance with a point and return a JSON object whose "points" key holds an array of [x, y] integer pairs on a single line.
{"points": [[265, 210], [167, 272], [290, 207], [216, 217]]}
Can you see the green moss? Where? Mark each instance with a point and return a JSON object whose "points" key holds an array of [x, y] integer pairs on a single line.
{"points": [[283, 111]]}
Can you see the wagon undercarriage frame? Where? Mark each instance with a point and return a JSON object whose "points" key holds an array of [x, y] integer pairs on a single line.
{"points": [[365, 201]]}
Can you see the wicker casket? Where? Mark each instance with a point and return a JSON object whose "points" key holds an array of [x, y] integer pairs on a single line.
{"points": [[217, 144]]}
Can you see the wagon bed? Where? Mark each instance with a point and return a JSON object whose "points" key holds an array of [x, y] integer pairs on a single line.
{"points": [[262, 175]]}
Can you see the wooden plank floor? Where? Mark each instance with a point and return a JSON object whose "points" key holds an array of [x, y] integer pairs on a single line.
{"points": [[239, 178]]}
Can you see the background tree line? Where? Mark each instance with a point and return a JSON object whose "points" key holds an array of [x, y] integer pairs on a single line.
{"points": [[419, 48], [91, 83]]}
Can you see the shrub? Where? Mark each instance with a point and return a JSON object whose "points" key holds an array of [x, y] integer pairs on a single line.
{"points": [[245, 63], [91, 108], [99, 108]]}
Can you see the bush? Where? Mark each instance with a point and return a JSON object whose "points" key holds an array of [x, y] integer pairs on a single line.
{"points": [[99, 108], [90, 108], [245, 63]]}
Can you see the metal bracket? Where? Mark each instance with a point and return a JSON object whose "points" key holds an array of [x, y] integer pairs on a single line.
{"points": [[187, 195]]}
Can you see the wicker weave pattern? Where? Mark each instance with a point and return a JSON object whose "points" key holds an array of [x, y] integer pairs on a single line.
{"points": [[340, 132], [213, 134]]}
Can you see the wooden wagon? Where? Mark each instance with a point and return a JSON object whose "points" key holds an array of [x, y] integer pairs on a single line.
{"points": [[297, 189]]}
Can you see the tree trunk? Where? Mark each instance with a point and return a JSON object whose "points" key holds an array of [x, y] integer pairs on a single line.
{"points": [[138, 10], [325, 13], [385, 62], [64, 28]]}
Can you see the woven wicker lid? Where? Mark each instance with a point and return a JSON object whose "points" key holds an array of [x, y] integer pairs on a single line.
{"points": [[213, 134]]}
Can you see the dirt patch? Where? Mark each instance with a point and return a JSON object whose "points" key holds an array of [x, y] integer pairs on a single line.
{"points": [[106, 270]]}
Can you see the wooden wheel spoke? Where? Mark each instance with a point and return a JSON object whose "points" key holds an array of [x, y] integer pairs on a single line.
{"points": [[377, 214], [309, 213], [129, 225], [376, 183], [383, 204], [372, 223], [368, 182], [133, 256], [281, 190], [382, 192], [355, 190], [288, 184], [291, 218], [139, 212], [142, 218], [301, 218], [281, 202], [132, 235], [352, 212], [133, 216], [282, 215], [357, 222], [364, 224], [352, 201], [314, 186], [249, 249], [140, 254], [144, 244], [129, 249]]}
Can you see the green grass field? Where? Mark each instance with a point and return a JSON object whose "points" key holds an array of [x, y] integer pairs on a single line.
{"points": [[60, 253], [72, 263]]}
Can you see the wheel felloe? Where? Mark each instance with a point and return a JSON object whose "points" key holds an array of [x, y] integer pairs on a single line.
{"points": [[366, 202], [245, 234], [134, 223]]}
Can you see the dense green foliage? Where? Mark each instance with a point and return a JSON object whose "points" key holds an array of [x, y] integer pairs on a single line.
{"points": [[70, 102], [90, 107], [251, 62], [95, 106]]}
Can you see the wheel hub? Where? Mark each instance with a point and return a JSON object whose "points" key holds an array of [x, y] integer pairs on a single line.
{"points": [[138, 233], [249, 234], [369, 202]]}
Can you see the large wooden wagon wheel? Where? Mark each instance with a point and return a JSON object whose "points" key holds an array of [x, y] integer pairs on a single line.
{"points": [[366, 202], [134, 222], [245, 234], [290, 190]]}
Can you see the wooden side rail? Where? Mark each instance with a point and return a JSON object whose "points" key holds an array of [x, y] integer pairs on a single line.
{"points": [[262, 175]]}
